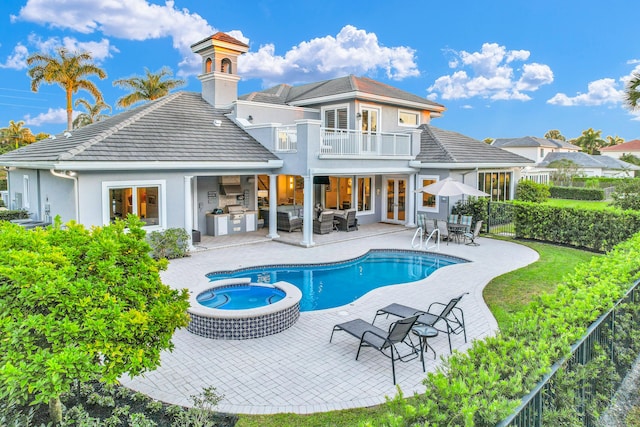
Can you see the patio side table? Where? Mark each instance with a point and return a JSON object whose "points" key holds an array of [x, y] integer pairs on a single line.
{"points": [[424, 332]]}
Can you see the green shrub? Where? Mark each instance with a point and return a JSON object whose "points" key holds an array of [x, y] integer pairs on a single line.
{"points": [[14, 214], [627, 195], [3, 185], [530, 191], [577, 193], [596, 230], [474, 206], [485, 384], [170, 243]]}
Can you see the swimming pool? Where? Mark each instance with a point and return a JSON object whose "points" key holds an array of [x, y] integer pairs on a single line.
{"points": [[335, 284], [240, 297]]}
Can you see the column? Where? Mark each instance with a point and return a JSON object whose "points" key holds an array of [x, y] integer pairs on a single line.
{"points": [[307, 218], [188, 209], [273, 207], [411, 201]]}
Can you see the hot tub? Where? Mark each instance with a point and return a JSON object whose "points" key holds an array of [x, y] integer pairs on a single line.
{"points": [[238, 324]]}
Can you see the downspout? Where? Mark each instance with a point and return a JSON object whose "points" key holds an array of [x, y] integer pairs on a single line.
{"points": [[72, 176]]}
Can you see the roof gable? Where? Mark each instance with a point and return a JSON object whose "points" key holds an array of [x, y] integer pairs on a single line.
{"points": [[532, 141], [589, 161], [633, 145]]}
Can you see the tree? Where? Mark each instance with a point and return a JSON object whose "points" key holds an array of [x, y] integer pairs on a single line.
{"points": [[564, 173], [590, 141], [632, 94], [614, 140], [80, 305], [93, 114], [69, 71], [147, 88], [555, 134], [488, 140], [16, 135]]}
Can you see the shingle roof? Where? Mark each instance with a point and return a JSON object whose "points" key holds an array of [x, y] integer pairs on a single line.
{"points": [[633, 145], [178, 127], [443, 146], [588, 161], [532, 141], [286, 95]]}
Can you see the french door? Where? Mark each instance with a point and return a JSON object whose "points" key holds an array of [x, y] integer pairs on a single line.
{"points": [[396, 200], [370, 125]]}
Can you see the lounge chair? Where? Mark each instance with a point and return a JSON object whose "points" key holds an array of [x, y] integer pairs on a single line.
{"points": [[449, 320], [381, 340], [472, 236]]}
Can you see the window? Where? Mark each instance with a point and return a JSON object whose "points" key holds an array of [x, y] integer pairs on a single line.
{"points": [[542, 152], [364, 194], [225, 66], [336, 118], [338, 193], [146, 199], [429, 202], [408, 118], [208, 65], [498, 184]]}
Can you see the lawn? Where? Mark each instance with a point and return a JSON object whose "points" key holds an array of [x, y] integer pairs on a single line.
{"points": [[581, 204]]}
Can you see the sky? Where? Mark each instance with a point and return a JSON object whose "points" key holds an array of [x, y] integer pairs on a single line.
{"points": [[502, 69]]}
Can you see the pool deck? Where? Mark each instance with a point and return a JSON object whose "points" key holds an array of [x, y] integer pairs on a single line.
{"points": [[298, 370]]}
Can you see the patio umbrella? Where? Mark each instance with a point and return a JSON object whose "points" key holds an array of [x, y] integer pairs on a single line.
{"points": [[450, 187]]}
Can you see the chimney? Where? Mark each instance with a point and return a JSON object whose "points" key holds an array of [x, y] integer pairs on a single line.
{"points": [[219, 77]]}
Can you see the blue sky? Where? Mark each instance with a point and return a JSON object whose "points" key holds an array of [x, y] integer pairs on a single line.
{"points": [[501, 68]]}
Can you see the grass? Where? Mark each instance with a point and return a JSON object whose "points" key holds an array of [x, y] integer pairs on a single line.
{"points": [[513, 291], [504, 295], [581, 204]]}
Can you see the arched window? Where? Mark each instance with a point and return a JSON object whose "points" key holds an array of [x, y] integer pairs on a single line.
{"points": [[226, 66], [207, 65]]}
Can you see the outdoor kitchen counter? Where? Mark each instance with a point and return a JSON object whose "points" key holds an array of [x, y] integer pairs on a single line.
{"points": [[223, 224]]}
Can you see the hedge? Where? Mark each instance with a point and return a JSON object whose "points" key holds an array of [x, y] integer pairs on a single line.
{"points": [[596, 230], [484, 385], [14, 214], [577, 193]]}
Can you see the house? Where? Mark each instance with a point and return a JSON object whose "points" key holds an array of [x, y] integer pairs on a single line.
{"points": [[616, 151], [218, 163], [593, 165], [535, 148]]}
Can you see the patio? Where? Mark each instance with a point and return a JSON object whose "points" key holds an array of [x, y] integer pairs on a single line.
{"points": [[298, 370]]}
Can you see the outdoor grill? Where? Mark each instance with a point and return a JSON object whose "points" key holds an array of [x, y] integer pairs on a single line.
{"points": [[236, 212]]}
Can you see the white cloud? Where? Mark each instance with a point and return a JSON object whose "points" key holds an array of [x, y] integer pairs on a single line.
{"points": [[351, 51], [53, 115], [600, 92], [98, 50], [18, 58], [490, 74], [467, 107], [131, 20]]}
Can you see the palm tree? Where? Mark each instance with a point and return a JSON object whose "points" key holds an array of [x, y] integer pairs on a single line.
{"points": [[555, 134], [632, 94], [16, 135], [147, 88], [93, 114], [69, 71], [590, 141], [614, 140]]}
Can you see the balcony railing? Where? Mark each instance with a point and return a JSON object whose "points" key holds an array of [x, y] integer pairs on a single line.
{"points": [[286, 139], [352, 142]]}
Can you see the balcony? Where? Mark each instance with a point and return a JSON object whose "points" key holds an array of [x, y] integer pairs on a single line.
{"points": [[347, 143]]}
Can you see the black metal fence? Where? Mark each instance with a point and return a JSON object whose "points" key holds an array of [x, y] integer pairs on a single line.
{"points": [[568, 390], [500, 219]]}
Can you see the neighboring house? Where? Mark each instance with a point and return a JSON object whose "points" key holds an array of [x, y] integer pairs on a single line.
{"points": [[594, 165], [215, 162], [535, 148], [617, 151]]}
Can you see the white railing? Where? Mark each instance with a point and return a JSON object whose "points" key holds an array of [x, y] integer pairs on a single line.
{"points": [[286, 138], [423, 243], [353, 142]]}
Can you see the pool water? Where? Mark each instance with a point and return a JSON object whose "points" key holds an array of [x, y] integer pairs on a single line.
{"points": [[332, 285], [240, 297]]}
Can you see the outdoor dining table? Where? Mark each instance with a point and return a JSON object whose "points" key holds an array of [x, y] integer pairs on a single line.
{"points": [[457, 231]]}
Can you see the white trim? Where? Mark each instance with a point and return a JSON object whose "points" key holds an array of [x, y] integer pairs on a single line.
{"points": [[371, 98], [26, 192], [334, 107], [372, 195], [420, 206], [275, 106], [147, 165], [162, 194]]}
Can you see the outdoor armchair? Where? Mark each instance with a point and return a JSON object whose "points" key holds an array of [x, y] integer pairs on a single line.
{"points": [[472, 236]]}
